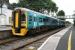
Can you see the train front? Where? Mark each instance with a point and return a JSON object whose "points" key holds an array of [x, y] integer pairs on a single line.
{"points": [[19, 24]]}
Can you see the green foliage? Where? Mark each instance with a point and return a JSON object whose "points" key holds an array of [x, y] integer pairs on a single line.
{"points": [[61, 13], [38, 5]]}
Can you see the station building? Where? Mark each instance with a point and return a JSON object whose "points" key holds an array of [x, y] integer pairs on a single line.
{"points": [[5, 16]]}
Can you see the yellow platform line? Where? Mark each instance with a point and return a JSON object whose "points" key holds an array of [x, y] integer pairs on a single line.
{"points": [[69, 41]]}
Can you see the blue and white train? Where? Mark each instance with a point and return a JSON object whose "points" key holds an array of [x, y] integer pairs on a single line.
{"points": [[25, 20]]}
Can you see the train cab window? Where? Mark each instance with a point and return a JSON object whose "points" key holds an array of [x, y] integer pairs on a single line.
{"points": [[23, 18]]}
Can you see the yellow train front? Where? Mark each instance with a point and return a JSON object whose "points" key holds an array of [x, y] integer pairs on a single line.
{"points": [[19, 19]]}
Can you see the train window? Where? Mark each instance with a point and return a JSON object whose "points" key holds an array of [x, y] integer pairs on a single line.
{"points": [[34, 18], [23, 18], [30, 18], [40, 19], [54, 21], [45, 20]]}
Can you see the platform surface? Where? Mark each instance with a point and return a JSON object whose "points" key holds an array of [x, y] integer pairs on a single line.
{"points": [[58, 41], [3, 28]]}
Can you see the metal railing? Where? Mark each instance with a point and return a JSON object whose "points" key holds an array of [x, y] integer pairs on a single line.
{"points": [[66, 17]]}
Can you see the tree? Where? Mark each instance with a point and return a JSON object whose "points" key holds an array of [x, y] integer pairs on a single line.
{"points": [[61, 13], [54, 8], [38, 5]]}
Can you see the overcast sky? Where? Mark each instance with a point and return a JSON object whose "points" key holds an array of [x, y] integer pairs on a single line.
{"points": [[13, 1], [67, 5]]}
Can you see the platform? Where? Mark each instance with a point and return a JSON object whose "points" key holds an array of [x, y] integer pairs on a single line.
{"points": [[57, 41], [3, 28], [5, 31]]}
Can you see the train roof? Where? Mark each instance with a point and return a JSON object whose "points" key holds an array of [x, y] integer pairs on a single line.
{"points": [[36, 12]]}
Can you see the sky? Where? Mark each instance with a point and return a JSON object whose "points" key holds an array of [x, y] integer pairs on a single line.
{"points": [[67, 5], [13, 1]]}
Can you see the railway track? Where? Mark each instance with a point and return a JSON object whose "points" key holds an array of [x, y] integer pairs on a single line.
{"points": [[8, 40], [36, 39], [19, 43]]}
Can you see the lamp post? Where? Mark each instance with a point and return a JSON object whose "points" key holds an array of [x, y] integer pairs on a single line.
{"points": [[14, 2], [1, 6], [74, 17]]}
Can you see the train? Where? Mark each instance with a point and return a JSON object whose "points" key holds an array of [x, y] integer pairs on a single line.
{"points": [[26, 21]]}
